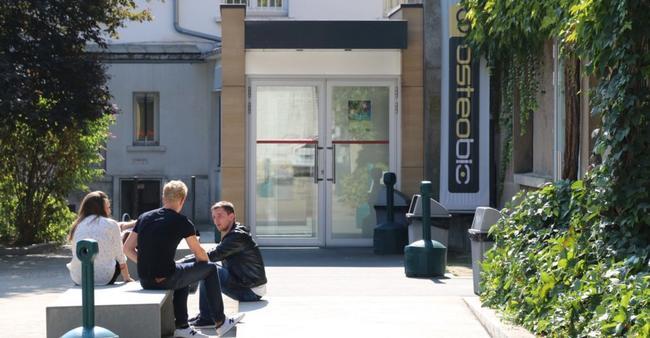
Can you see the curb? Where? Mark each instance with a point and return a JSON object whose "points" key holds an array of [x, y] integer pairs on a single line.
{"points": [[492, 322], [29, 249]]}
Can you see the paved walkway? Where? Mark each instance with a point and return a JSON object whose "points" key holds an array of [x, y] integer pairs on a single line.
{"points": [[311, 293]]}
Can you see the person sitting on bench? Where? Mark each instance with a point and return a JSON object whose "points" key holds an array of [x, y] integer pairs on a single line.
{"points": [[152, 245], [94, 222], [242, 275]]}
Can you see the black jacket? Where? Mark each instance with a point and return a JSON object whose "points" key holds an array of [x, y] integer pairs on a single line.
{"points": [[241, 256]]}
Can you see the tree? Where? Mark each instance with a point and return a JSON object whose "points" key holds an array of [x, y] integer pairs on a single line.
{"points": [[54, 107]]}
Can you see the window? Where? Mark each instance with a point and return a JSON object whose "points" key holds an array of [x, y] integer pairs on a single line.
{"points": [[262, 7], [145, 114], [269, 4]]}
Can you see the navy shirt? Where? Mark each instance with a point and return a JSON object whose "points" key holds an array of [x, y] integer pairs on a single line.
{"points": [[159, 232]]}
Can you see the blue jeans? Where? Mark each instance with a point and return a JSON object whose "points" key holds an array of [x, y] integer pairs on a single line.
{"points": [[240, 294], [179, 281]]}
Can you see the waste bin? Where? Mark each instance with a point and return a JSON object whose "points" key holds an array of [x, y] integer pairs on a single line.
{"points": [[400, 206], [439, 221], [484, 219]]}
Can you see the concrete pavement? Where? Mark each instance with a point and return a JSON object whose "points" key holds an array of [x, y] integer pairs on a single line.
{"points": [[337, 292]]}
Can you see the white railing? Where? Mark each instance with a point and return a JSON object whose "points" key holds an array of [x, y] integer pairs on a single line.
{"points": [[262, 7]]}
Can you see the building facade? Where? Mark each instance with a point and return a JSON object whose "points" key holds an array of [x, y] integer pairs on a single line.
{"points": [[290, 109]]}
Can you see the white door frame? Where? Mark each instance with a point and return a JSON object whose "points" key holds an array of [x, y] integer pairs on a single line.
{"points": [[392, 150], [324, 87]]}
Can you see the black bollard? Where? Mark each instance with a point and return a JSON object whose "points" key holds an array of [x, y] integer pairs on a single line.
{"points": [[389, 237], [425, 258], [86, 252]]}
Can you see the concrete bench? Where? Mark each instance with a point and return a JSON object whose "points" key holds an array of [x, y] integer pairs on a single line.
{"points": [[125, 309]]}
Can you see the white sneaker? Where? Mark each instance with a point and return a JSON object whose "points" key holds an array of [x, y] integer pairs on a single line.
{"points": [[188, 332], [229, 323]]}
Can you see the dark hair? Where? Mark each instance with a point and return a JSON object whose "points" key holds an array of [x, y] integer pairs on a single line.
{"points": [[225, 205], [92, 204]]}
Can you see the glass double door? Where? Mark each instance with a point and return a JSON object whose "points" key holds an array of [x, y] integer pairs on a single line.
{"points": [[318, 151]]}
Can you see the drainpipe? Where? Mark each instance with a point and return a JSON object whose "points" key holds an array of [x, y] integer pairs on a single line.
{"points": [[216, 39], [186, 31]]}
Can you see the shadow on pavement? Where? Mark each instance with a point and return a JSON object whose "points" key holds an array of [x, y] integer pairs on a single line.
{"points": [[344, 257], [34, 274], [252, 306], [323, 257]]}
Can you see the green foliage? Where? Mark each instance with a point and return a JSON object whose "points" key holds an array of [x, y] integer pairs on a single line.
{"points": [[573, 258], [54, 108], [552, 269], [39, 169]]}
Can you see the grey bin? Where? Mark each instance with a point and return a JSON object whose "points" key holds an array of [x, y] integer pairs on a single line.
{"points": [[439, 221], [484, 219], [400, 206]]}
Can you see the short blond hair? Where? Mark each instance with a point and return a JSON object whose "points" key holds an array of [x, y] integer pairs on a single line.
{"points": [[174, 191]]}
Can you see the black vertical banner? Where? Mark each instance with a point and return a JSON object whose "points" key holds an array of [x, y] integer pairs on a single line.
{"points": [[464, 66]]}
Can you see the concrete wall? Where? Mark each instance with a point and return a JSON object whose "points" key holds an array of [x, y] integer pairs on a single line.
{"points": [[186, 119], [320, 63], [204, 16], [336, 9], [195, 15], [432, 82], [233, 108], [412, 97]]}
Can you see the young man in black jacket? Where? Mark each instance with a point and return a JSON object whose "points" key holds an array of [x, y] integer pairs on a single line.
{"points": [[242, 274]]}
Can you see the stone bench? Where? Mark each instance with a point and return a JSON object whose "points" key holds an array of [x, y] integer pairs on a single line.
{"points": [[125, 309]]}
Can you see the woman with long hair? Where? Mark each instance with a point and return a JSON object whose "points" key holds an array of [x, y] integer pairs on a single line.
{"points": [[94, 222]]}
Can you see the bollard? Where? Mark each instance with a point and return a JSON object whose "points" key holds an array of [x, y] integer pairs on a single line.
{"points": [[425, 258], [86, 252], [389, 237]]}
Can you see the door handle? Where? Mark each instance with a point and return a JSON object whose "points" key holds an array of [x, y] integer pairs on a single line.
{"points": [[333, 148], [316, 164]]}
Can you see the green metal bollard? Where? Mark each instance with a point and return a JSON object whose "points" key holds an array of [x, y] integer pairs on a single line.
{"points": [[86, 252], [389, 237], [425, 258]]}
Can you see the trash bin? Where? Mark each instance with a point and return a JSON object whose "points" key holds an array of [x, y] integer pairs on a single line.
{"points": [[400, 206], [439, 221], [484, 218]]}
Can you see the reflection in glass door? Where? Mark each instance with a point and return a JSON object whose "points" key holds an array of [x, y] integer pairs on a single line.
{"points": [[359, 141], [286, 187], [318, 158]]}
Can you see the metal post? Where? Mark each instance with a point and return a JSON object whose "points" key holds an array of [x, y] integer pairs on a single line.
{"points": [[193, 198], [389, 181], [425, 258], [425, 191], [86, 252], [135, 197]]}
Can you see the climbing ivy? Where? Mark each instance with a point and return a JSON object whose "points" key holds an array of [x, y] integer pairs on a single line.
{"points": [[572, 259]]}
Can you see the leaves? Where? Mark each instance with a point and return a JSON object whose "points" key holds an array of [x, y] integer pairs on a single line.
{"points": [[54, 108], [557, 260]]}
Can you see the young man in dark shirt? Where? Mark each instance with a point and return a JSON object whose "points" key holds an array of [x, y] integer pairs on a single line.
{"points": [[242, 276], [152, 245]]}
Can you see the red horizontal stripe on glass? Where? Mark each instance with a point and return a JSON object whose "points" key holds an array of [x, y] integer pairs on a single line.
{"points": [[287, 141], [360, 142]]}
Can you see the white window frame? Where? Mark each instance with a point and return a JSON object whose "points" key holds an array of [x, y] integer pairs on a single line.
{"points": [[256, 9]]}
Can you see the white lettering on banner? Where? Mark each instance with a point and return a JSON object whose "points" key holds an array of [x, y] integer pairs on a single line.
{"points": [[463, 111]]}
